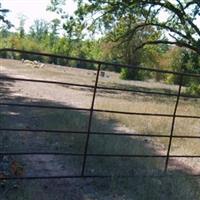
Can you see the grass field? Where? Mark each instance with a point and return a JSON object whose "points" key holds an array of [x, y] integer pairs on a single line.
{"points": [[176, 187]]}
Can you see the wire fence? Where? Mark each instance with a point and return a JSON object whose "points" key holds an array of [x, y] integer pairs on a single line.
{"points": [[85, 154]]}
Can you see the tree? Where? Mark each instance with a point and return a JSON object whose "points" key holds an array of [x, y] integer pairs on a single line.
{"points": [[186, 61], [179, 22], [22, 19], [115, 33], [3, 19], [53, 35], [126, 47], [55, 25], [39, 29]]}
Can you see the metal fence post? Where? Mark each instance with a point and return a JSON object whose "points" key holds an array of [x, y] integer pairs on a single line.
{"points": [[173, 123], [90, 121]]}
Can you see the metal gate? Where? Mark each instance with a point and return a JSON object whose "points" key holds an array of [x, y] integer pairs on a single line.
{"points": [[85, 155]]}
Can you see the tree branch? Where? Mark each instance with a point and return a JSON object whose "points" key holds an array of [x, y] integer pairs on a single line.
{"points": [[169, 6], [165, 27], [177, 43], [196, 2]]}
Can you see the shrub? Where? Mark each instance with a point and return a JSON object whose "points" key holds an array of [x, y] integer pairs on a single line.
{"points": [[129, 74], [193, 89]]}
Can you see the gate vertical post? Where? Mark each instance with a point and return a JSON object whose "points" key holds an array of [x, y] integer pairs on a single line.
{"points": [[90, 121], [173, 123]]}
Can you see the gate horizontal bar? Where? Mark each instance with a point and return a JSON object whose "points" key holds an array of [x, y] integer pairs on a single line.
{"points": [[98, 87], [44, 106], [100, 110], [97, 155], [147, 92], [156, 175], [96, 133], [146, 114], [42, 130], [44, 81], [99, 62]]}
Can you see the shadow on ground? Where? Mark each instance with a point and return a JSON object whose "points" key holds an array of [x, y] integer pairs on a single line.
{"points": [[176, 186]]}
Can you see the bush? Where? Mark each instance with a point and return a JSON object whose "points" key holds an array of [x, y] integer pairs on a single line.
{"points": [[193, 89], [187, 62], [174, 79], [130, 74]]}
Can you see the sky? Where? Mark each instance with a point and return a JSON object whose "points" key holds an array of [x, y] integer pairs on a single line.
{"points": [[32, 9], [36, 9]]}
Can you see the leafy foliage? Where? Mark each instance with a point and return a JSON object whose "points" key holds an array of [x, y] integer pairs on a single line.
{"points": [[179, 19], [184, 61], [3, 19]]}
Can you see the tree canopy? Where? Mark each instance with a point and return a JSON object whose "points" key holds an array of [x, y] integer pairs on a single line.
{"points": [[3, 19], [176, 19]]}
